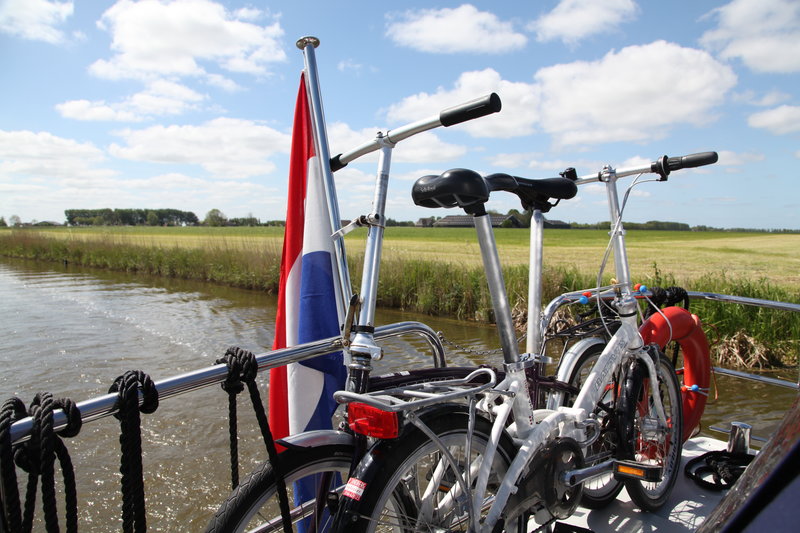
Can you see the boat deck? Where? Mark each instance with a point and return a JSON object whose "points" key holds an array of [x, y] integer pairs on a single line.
{"points": [[686, 509]]}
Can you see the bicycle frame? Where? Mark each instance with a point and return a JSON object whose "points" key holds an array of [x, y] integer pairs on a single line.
{"points": [[534, 428]]}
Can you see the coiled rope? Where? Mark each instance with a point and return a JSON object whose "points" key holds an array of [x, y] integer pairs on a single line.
{"points": [[37, 457], [724, 468], [243, 368], [127, 386]]}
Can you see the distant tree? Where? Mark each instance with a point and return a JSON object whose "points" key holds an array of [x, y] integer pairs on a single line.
{"points": [[215, 217], [152, 218], [3, 223], [14, 221]]}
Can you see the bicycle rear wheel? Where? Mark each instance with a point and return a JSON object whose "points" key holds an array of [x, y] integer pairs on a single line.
{"points": [[409, 486], [643, 438], [602, 490], [318, 470], [253, 505]]}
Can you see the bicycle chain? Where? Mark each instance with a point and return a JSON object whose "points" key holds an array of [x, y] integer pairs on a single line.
{"points": [[470, 351]]}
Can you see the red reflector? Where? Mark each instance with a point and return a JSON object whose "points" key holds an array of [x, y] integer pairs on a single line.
{"points": [[372, 422]]}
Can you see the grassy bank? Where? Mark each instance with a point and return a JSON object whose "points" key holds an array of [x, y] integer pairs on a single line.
{"points": [[438, 271]]}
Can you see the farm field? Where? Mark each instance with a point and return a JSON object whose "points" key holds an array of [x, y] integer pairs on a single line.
{"points": [[684, 255], [438, 271]]}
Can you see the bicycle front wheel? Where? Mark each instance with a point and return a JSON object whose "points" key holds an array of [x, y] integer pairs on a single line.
{"points": [[253, 505], [646, 439], [413, 487], [600, 491]]}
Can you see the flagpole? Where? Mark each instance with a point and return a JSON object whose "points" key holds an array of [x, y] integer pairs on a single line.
{"points": [[307, 45]]}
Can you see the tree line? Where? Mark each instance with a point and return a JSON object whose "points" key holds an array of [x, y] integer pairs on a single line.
{"points": [[129, 217]]}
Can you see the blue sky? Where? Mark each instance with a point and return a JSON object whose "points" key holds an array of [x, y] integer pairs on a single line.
{"points": [[188, 104]]}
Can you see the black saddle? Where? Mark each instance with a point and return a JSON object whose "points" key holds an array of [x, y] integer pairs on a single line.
{"points": [[460, 187]]}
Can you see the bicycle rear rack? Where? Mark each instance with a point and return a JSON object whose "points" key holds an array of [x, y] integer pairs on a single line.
{"points": [[420, 395]]}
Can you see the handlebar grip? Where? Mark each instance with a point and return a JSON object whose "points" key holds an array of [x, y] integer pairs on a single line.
{"points": [[336, 163], [480, 107], [692, 160]]}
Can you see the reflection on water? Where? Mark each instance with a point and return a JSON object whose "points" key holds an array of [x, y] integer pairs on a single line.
{"points": [[72, 332]]}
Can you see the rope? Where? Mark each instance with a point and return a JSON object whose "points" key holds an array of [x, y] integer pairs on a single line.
{"points": [[37, 457], [723, 466], [13, 410], [127, 386], [243, 367]]}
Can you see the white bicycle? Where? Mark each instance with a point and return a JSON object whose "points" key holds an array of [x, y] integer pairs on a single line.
{"points": [[488, 457]]}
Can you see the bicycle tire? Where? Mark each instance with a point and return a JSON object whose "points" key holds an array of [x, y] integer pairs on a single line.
{"points": [[258, 489], [641, 438], [407, 466], [255, 502], [600, 491]]}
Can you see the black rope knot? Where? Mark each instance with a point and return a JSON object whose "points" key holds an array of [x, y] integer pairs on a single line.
{"points": [[37, 457], [242, 368], [127, 386]]}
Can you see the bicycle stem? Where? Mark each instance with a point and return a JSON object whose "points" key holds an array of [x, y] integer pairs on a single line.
{"points": [[363, 348]]}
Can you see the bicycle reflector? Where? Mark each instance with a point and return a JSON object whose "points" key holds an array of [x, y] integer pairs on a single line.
{"points": [[372, 422]]}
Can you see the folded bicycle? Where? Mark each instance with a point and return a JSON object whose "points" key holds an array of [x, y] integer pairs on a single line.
{"points": [[490, 456]]}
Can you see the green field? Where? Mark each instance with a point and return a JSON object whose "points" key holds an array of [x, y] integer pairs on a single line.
{"points": [[438, 270], [684, 255]]}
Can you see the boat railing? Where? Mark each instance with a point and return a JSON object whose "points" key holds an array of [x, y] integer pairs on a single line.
{"points": [[103, 406]]}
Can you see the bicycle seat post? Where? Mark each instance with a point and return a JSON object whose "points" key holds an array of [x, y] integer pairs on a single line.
{"points": [[497, 288], [534, 332]]}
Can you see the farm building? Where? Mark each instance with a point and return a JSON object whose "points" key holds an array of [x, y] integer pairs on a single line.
{"points": [[465, 221]]}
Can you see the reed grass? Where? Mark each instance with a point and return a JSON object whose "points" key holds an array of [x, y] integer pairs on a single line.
{"points": [[747, 336]]}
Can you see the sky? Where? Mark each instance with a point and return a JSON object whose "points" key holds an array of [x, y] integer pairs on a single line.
{"points": [[187, 104]]}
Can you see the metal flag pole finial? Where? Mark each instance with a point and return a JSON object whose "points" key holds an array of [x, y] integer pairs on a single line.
{"points": [[302, 42]]}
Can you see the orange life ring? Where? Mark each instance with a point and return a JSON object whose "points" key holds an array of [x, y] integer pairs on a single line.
{"points": [[685, 329]]}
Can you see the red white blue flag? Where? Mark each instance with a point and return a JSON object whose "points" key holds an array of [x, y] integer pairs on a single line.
{"points": [[301, 394]]}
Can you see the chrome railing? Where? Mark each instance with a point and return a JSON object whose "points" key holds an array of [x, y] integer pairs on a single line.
{"points": [[103, 406]]}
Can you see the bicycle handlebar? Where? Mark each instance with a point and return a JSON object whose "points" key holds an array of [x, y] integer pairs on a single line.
{"points": [[662, 166], [480, 107], [692, 160]]}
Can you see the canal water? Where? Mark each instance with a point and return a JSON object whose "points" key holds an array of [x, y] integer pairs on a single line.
{"points": [[72, 331]]}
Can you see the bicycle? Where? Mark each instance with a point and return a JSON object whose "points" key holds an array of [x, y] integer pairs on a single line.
{"points": [[488, 457], [327, 456]]}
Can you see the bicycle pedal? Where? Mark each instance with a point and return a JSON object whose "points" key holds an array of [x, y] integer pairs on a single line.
{"points": [[634, 470]]}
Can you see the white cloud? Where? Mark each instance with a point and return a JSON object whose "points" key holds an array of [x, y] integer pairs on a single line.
{"points": [[780, 120], [349, 65], [36, 20], [95, 111], [161, 97], [520, 104], [181, 38], [225, 147], [36, 155], [764, 34], [634, 94], [730, 158], [453, 30], [769, 98], [573, 20]]}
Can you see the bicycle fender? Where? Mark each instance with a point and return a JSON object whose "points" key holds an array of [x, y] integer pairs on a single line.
{"points": [[568, 362], [320, 437], [686, 329], [374, 461]]}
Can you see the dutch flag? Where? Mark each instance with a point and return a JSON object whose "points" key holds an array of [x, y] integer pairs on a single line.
{"points": [[301, 394]]}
